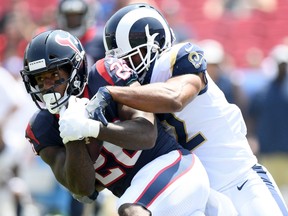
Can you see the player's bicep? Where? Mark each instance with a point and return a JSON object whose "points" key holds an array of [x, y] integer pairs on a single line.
{"points": [[140, 128], [128, 113], [187, 86]]}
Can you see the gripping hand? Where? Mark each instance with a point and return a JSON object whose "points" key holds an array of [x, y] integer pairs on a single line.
{"points": [[74, 123], [97, 105], [120, 73]]}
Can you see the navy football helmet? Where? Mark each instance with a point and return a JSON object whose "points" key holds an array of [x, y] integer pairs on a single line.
{"points": [[54, 50], [76, 16], [137, 30]]}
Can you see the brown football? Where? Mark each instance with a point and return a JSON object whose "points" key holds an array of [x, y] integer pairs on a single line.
{"points": [[94, 147]]}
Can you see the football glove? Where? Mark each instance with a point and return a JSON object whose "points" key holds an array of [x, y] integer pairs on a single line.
{"points": [[74, 123], [98, 104], [119, 71]]}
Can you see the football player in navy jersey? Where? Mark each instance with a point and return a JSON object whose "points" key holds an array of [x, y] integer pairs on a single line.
{"points": [[177, 87], [132, 156], [79, 18]]}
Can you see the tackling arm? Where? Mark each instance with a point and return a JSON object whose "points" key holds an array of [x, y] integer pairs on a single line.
{"points": [[171, 96]]}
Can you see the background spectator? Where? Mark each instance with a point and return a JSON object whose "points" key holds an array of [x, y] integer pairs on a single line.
{"points": [[268, 109]]}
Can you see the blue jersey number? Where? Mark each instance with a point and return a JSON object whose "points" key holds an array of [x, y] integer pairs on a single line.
{"points": [[181, 134]]}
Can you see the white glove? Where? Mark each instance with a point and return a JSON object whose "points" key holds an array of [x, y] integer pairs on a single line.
{"points": [[74, 123]]}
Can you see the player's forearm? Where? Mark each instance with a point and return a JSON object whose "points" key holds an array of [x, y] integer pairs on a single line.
{"points": [[136, 134], [156, 97], [80, 174]]}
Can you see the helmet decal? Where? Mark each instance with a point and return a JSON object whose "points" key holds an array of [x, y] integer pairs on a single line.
{"points": [[150, 38], [35, 65], [66, 42], [123, 33]]}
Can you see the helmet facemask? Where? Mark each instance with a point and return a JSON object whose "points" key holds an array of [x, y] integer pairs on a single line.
{"points": [[135, 33], [145, 53], [50, 98]]}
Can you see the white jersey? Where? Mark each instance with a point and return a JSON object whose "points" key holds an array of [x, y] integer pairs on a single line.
{"points": [[148, 186], [209, 125]]}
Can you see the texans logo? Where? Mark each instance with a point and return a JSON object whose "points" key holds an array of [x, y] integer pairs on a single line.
{"points": [[66, 42]]}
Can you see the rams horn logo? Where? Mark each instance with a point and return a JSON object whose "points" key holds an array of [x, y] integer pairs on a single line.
{"points": [[195, 58]]}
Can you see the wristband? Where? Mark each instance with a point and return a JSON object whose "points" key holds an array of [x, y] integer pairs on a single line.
{"points": [[93, 128]]}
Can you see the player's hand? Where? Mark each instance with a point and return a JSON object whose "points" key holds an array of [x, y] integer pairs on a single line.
{"points": [[98, 104], [74, 123], [119, 71], [86, 199]]}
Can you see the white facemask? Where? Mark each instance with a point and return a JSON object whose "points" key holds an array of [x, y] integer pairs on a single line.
{"points": [[50, 100]]}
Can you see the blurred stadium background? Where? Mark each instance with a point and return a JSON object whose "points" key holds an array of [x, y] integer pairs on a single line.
{"points": [[253, 38]]}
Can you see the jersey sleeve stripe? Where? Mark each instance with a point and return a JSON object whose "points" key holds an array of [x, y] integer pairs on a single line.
{"points": [[100, 66]]}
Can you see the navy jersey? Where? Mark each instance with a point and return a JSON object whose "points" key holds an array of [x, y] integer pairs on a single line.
{"points": [[115, 166], [98, 77], [93, 43]]}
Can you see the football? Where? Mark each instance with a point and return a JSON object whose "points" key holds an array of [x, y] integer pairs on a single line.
{"points": [[94, 147]]}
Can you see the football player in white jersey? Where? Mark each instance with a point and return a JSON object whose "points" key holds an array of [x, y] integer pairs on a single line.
{"points": [[177, 86]]}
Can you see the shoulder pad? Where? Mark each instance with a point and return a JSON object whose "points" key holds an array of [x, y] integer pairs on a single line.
{"points": [[188, 58]]}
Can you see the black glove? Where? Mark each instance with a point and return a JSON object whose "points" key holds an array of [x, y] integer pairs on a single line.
{"points": [[119, 71], [98, 104]]}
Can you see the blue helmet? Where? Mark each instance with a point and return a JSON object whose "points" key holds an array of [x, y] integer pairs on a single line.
{"points": [[52, 50]]}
